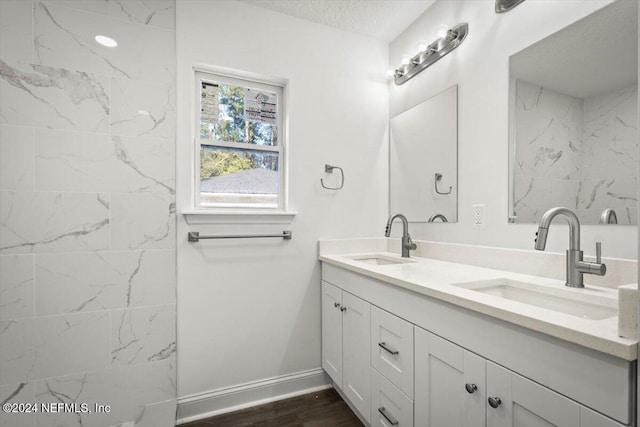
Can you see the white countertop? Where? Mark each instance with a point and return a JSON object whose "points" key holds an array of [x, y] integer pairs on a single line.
{"points": [[434, 278]]}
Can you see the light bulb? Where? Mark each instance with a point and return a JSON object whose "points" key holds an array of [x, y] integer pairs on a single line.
{"points": [[106, 41], [422, 46], [442, 31], [406, 59]]}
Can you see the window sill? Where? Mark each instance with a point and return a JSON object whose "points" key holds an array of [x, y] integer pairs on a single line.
{"points": [[208, 216]]}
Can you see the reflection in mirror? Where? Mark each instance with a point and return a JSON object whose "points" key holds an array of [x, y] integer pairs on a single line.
{"points": [[423, 160], [573, 120]]}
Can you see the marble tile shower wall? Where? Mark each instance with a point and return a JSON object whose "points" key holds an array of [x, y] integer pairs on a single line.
{"points": [[574, 152], [87, 210]]}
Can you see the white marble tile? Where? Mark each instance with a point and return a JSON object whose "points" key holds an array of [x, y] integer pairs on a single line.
{"points": [[160, 13], [80, 282], [16, 38], [142, 221], [43, 347], [161, 414], [78, 161], [145, 334], [43, 96], [65, 38], [142, 109], [16, 158], [93, 6], [127, 389], [32, 222], [17, 286], [17, 393]]}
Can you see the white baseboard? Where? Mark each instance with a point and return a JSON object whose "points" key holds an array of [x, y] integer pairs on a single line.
{"points": [[229, 399]]}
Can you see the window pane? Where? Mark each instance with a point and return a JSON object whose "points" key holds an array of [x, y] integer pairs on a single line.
{"points": [[238, 177], [237, 114]]}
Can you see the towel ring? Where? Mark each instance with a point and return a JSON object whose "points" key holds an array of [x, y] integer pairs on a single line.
{"points": [[329, 169], [438, 178]]}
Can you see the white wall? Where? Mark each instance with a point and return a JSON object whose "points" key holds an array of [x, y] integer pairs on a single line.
{"points": [[250, 310], [480, 66]]}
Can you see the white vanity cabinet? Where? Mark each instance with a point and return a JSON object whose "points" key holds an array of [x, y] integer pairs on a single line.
{"points": [[346, 332], [461, 360]]}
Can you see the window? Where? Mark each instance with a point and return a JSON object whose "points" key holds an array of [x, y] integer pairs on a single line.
{"points": [[240, 143]]}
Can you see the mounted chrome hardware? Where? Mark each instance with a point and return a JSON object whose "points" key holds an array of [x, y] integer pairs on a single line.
{"points": [[431, 54], [494, 402], [471, 388], [389, 350], [387, 417], [438, 178], [329, 169], [343, 309], [194, 236], [441, 217], [506, 5], [576, 267], [407, 243], [608, 216], [336, 304]]}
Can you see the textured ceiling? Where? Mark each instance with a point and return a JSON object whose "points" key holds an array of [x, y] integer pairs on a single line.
{"points": [[594, 56], [380, 19]]}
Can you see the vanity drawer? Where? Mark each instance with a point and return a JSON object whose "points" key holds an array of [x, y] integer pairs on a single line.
{"points": [[389, 406], [392, 349]]}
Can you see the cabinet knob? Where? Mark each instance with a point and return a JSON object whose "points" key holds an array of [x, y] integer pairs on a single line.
{"points": [[494, 402], [336, 304], [470, 388], [343, 309]]}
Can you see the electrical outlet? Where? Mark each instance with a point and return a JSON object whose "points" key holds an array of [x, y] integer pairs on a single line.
{"points": [[479, 217]]}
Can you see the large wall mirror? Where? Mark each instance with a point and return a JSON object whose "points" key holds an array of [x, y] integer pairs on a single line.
{"points": [[423, 160], [574, 120]]}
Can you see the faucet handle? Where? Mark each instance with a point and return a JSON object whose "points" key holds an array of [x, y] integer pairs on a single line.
{"points": [[599, 252]]}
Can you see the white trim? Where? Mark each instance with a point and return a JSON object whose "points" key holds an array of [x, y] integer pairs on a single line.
{"points": [[204, 405], [210, 216]]}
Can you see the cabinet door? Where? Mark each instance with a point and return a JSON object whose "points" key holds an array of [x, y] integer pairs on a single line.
{"points": [[332, 332], [356, 377], [514, 401], [389, 405], [449, 384], [392, 349]]}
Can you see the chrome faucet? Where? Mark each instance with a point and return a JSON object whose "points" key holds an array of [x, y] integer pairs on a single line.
{"points": [[407, 243], [441, 217], [608, 216], [576, 267]]}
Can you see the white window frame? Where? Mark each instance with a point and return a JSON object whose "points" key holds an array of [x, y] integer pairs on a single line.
{"points": [[250, 81]]}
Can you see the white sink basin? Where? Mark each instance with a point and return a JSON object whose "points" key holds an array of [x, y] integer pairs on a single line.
{"points": [[575, 302], [379, 259]]}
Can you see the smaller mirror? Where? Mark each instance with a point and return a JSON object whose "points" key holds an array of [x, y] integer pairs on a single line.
{"points": [[423, 160]]}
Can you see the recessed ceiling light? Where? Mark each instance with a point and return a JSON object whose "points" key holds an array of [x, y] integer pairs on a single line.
{"points": [[106, 41], [144, 113]]}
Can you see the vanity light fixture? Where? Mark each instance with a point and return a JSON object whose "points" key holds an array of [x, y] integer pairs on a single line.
{"points": [[428, 54], [106, 41], [506, 5]]}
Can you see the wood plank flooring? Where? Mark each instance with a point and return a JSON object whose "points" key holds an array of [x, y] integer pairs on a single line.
{"points": [[321, 409]]}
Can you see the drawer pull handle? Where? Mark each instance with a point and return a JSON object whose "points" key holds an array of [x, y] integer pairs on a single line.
{"points": [[389, 418], [336, 304], [387, 349], [471, 388], [494, 402], [343, 309]]}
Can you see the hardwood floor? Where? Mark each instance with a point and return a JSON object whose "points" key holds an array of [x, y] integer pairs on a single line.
{"points": [[321, 409]]}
